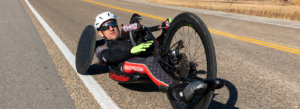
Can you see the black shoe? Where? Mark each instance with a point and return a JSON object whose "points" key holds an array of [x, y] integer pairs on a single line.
{"points": [[179, 96], [184, 93], [193, 89]]}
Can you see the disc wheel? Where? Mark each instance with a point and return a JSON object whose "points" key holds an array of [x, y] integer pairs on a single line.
{"points": [[198, 48], [85, 49]]}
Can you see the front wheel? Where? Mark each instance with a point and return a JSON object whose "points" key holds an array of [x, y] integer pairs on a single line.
{"points": [[199, 50]]}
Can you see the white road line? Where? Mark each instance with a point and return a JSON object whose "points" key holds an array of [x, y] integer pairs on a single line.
{"points": [[271, 21], [99, 94]]}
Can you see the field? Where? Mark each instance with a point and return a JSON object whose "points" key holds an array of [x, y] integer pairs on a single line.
{"points": [[267, 8]]}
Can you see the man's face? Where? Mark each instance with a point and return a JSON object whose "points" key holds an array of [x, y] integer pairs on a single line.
{"points": [[112, 33]]}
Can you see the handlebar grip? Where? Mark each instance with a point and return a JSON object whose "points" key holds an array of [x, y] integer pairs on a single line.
{"points": [[132, 27]]}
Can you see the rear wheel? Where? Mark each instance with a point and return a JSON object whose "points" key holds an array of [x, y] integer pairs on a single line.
{"points": [[198, 52]]}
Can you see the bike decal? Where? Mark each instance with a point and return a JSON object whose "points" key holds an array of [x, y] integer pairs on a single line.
{"points": [[104, 59], [190, 25], [134, 69], [118, 77], [157, 42]]}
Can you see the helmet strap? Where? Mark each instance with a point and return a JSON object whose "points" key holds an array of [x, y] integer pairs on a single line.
{"points": [[103, 35]]}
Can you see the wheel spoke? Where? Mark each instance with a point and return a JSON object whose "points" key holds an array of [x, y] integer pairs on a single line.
{"points": [[200, 56], [189, 43], [184, 40], [196, 51], [196, 46], [176, 36], [200, 62]]}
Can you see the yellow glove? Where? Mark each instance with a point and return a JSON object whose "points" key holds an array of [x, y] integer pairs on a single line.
{"points": [[140, 48]]}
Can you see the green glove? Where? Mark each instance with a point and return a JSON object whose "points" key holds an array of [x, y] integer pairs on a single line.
{"points": [[140, 48]]}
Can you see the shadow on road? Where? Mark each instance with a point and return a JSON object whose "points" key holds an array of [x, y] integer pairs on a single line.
{"points": [[96, 69], [142, 87], [233, 96], [201, 72]]}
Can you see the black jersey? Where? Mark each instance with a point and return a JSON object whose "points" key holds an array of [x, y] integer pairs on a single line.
{"points": [[114, 52]]}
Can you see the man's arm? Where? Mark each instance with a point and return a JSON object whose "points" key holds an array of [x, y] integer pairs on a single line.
{"points": [[105, 55]]}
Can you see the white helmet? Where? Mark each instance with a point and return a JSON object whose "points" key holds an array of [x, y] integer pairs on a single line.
{"points": [[101, 18]]}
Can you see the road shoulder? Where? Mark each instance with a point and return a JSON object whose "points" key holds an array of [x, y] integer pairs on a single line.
{"points": [[28, 78], [77, 90]]}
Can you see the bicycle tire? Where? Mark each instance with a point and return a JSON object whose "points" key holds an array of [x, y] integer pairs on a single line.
{"points": [[193, 21], [134, 19]]}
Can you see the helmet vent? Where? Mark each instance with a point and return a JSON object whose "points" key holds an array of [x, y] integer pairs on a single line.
{"points": [[108, 14], [97, 23], [100, 17]]}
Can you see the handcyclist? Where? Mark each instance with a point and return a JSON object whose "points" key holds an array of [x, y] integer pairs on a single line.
{"points": [[119, 53]]}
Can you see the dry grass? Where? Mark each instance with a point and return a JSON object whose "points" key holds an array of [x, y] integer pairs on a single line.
{"points": [[295, 2], [266, 8]]}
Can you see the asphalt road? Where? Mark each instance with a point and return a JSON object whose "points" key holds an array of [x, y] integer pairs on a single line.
{"points": [[256, 76], [28, 78]]}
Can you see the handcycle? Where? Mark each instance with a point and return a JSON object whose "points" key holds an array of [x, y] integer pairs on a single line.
{"points": [[177, 55]]}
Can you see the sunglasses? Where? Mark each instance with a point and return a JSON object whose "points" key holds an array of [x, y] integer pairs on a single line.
{"points": [[106, 26]]}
